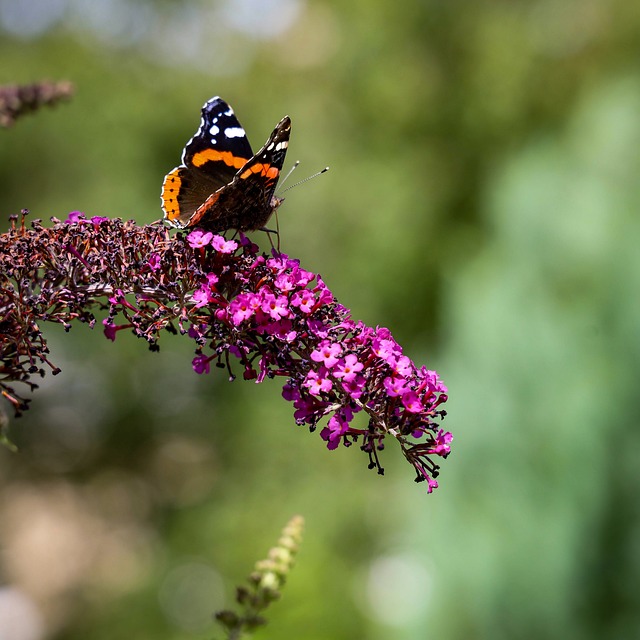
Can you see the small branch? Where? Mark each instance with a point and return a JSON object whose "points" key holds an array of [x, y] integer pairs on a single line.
{"points": [[18, 100]]}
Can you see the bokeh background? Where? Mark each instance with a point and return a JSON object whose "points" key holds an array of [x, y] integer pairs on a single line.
{"points": [[483, 203]]}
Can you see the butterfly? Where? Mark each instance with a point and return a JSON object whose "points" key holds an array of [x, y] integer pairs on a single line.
{"points": [[221, 184]]}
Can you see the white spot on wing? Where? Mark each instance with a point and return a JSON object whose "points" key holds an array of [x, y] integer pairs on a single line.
{"points": [[234, 132]]}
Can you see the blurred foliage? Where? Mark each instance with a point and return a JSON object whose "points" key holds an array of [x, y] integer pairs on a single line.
{"points": [[482, 203]]}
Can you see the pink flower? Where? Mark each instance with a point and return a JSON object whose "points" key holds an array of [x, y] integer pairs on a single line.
{"points": [[304, 300], [199, 239], [302, 277], [432, 484], [257, 316], [334, 430], [403, 366], [285, 282], [443, 440], [202, 297], [395, 386], [354, 387], [386, 347], [281, 329], [317, 382], [276, 307], [412, 402], [242, 307], [327, 353], [433, 380], [119, 299], [325, 296], [349, 368], [223, 246]]}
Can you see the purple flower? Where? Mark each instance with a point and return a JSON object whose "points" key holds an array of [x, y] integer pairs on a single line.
{"points": [[154, 262], [201, 364], [75, 216], [212, 280], [109, 330], [403, 367], [333, 432], [290, 393], [412, 402], [202, 297]]}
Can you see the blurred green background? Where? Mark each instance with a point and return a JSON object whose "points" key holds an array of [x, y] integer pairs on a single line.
{"points": [[482, 203]]}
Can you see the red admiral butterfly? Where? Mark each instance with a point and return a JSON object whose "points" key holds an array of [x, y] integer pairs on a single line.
{"points": [[221, 184]]}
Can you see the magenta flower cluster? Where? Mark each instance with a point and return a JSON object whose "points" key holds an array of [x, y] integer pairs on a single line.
{"points": [[270, 315], [334, 366]]}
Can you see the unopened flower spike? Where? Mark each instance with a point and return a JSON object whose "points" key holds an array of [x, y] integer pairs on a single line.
{"points": [[264, 584]]}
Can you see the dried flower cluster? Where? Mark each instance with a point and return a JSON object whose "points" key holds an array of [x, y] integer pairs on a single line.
{"points": [[264, 312], [17, 100]]}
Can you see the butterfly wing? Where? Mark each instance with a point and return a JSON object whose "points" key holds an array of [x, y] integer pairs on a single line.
{"points": [[265, 166], [210, 161], [248, 202]]}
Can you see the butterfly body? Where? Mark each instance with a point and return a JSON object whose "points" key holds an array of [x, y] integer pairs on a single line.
{"points": [[221, 184]]}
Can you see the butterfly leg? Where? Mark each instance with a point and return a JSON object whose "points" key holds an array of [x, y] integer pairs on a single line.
{"points": [[269, 232]]}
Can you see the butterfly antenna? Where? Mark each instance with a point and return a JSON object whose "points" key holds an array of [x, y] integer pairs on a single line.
{"points": [[295, 166], [315, 175]]}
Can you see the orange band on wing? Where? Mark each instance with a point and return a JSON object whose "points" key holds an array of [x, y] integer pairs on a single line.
{"points": [[170, 190], [213, 155], [203, 209], [264, 169]]}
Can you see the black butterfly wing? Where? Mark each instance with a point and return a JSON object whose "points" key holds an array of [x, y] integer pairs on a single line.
{"points": [[210, 161], [261, 173]]}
